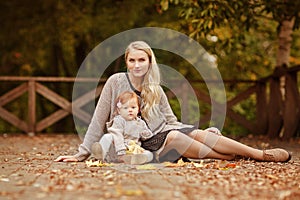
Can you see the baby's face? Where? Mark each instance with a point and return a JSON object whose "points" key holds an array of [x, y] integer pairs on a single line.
{"points": [[129, 110]]}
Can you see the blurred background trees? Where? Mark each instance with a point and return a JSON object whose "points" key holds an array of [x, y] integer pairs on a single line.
{"points": [[255, 37], [52, 37]]}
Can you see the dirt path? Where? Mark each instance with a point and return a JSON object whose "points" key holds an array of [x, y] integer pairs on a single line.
{"points": [[28, 172]]}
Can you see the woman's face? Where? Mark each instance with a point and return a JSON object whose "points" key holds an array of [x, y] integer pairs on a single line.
{"points": [[138, 63]]}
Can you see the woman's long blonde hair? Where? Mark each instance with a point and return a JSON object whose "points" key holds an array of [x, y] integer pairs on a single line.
{"points": [[151, 85]]}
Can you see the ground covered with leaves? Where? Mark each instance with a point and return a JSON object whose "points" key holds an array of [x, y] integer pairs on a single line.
{"points": [[29, 172]]}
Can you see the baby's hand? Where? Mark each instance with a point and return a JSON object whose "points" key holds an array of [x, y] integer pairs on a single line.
{"points": [[146, 134]]}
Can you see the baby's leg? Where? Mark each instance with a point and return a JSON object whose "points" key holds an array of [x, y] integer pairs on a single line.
{"points": [[100, 149], [149, 155]]}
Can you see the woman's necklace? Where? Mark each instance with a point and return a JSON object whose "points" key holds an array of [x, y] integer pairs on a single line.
{"points": [[136, 83]]}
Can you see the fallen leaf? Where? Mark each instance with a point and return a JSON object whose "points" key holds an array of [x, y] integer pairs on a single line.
{"points": [[169, 164], [4, 179], [222, 163], [128, 192], [91, 163], [231, 165], [271, 176], [180, 162], [198, 165], [146, 167], [132, 192]]}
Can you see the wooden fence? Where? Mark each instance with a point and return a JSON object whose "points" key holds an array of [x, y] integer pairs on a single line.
{"points": [[36, 85]]}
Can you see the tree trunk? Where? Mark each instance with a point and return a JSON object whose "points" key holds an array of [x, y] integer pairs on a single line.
{"points": [[278, 87], [291, 113]]}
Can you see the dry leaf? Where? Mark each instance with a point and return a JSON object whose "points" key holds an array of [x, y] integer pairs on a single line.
{"points": [[146, 167], [132, 192], [180, 162], [169, 164], [4, 179], [134, 148], [91, 163], [271, 176], [198, 165], [129, 192]]}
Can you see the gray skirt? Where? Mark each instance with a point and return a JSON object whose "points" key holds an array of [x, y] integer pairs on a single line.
{"points": [[154, 143]]}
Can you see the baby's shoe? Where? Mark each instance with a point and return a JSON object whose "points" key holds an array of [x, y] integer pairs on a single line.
{"points": [[97, 151], [135, 159]]}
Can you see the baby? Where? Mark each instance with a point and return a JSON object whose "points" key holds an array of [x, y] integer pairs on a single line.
{"points": [[127, 131]]}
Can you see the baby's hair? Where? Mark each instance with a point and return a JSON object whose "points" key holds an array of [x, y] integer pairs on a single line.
{"points": [[125, 97]]}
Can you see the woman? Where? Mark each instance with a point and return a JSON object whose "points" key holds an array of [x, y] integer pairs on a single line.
{"points": [[143, 78]]}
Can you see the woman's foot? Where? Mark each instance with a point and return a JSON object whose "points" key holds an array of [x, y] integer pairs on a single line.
{"points": [[276, 155]]}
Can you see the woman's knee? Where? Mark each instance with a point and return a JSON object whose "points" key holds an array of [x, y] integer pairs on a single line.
{"points": [[198, 134], [172, 135], [204, 136]]}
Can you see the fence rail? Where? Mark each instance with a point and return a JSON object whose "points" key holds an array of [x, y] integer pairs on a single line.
{"points": [[36, 85]]}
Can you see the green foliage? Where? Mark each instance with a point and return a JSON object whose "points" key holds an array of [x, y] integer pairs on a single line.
{"points": [[282, 10], [241, 34], [52, 38]]}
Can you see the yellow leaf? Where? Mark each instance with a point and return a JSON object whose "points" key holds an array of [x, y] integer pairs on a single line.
{"points": [[271, 176], [180, 162], [97, 163], [129, 192], [198, 164], [145, 167], [133, 192], [169, 164]]}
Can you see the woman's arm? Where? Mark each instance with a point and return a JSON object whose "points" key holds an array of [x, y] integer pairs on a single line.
{"points": [[146, 132], [100, 117]]}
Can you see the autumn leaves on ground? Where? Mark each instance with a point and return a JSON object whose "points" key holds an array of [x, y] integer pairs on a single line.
{"points": [[29, 172]]}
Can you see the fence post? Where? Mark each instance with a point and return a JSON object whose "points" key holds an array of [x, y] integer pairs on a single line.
{"points": [[291, 113], [275, 105], [261, 105], [185, 104], [31, 106]]}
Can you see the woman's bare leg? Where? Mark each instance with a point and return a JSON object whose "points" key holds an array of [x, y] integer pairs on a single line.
{"points": [[225, 145], [191, 148]]}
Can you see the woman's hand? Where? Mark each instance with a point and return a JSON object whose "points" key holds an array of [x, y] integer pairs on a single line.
{"points": [[66, 159]]}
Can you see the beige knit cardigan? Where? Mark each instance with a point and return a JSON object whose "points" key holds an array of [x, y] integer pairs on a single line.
{"points": [[116, 84]]}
